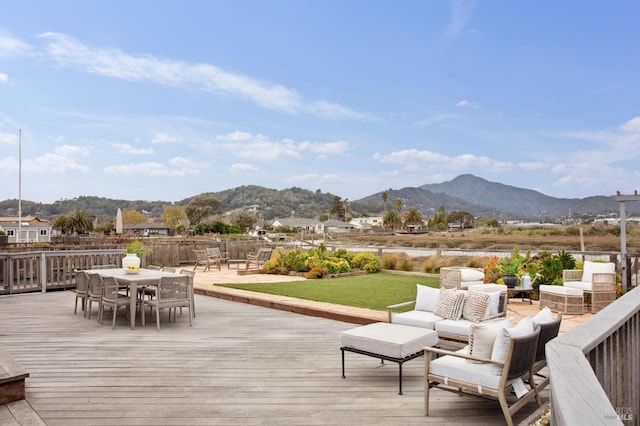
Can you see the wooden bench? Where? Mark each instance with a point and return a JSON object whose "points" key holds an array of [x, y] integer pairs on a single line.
{"points": [[12, 379]]}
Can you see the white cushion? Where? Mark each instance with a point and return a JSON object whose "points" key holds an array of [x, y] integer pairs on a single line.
{"points": [[591, 268], [545, 316], [422, 319], [426, 298], [458, 327], [471, 275], [464, 285], [450, 303], [501, 345], [393, 340], [475, 306], [561, 289], [578, 285], [483, 335], [458, 368], [494, 291]]}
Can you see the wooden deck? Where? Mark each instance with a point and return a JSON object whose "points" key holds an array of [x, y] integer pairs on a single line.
{"points": [[238, 364]]}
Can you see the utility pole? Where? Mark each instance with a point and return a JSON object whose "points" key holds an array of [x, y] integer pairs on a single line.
{"points": [[19, 186]]}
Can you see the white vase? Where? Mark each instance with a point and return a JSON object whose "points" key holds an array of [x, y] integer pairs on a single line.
{"points": [[131, 263]]}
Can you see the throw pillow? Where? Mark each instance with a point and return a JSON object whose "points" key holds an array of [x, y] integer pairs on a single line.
{"points": [[483, 335], [501, 345], [475, 306], [543, 317], [426, 298], [450, 303]]}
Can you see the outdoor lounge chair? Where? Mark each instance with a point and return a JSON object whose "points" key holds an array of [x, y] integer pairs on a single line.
{"points": [[216, 256], [258, 260], [202, 260], [597, 280], [453, 371], [548, 332]]}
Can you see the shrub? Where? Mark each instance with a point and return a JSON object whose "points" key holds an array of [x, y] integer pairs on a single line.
{"points": [[366, 262], [316, 272]]}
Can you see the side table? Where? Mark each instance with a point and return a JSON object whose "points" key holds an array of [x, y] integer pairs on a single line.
{"points": [[524, 293]]}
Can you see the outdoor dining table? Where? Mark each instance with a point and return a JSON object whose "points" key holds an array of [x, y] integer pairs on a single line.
{"points": [[144, 277]]}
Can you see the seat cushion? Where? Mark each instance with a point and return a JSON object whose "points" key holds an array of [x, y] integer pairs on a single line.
{"points": [[580, 285], [392, 340], [453, 367], [422, 319], [458, 327]]}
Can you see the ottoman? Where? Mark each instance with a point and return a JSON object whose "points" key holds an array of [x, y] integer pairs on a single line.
{"points": [[562, 299], [391, 342]]}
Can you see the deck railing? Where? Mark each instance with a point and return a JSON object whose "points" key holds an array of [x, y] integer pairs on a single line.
{"points": [[41, 270], [594, 374]]}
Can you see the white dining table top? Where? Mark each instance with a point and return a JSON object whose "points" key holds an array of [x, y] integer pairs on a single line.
{"points": [[143, 275]]}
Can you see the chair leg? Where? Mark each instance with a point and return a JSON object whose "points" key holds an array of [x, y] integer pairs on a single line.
{"points": [[158, 317], [505, 408]]}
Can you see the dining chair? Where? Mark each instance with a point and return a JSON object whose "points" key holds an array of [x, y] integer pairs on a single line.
{"points": [[172, 292], [82, 291], [109, 266], [112, 298], [168, 269], [94, 294], [191, 275], [154, 267]]}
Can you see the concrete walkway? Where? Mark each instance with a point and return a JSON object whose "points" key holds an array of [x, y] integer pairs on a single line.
{"points": [[205, 284]]}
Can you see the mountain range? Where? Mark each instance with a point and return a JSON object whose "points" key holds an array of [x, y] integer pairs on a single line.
{"points": [[469, 193]]}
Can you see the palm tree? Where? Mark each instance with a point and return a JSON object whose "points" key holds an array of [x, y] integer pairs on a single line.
{"points": [[412, 217], [392, 219], [398, 204], [384, 195], [62, 223], [81, 222]]}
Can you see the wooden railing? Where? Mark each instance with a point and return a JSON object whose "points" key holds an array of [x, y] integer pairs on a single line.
{"points": [[595, 379], [41, 270]]}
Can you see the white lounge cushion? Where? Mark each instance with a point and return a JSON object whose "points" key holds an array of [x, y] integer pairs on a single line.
{"points": [[494, 291], [579, 285], [589, 268], [467, 275], [392, 340], [458, 368], [422, 319], [501, 345], [459, 327], [545, 316], [464, 285], [561, 289], [426, 298]]}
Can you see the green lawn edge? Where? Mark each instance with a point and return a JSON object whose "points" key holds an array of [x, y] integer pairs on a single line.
{"points": [[372, 291]]}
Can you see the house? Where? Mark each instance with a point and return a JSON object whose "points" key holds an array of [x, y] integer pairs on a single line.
{"points": [[333, 225], [32, 229], [301, 224], [148, 229], [366, 223]]}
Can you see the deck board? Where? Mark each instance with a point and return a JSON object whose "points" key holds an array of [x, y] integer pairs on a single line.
{"points": [[238, 364]]}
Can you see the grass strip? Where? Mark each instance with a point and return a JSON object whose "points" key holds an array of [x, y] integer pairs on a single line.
{"points": [[373, 291]]}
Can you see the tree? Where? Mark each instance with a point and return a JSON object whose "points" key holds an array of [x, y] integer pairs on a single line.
{"points": [[62, 223], [337, 208], [243, 220], [105, 228], [440, 220], [80, 222], [462, 218], [412, 217], [398, 204], [392, 219], [133, 217], [384, 195], [203, 207], [171, 215]]}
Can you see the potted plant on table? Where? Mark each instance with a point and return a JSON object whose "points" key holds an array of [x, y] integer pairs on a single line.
{"points": [[134, 251], [510, 266]]}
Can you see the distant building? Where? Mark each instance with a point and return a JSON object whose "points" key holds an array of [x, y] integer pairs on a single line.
{"points": [[366, 223], [32, 229], [301, 224], [333, 225], [149, 229]]}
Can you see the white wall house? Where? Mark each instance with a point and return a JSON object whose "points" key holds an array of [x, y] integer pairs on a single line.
{"points": [[32, 229], [301, 224], [366, 223]]}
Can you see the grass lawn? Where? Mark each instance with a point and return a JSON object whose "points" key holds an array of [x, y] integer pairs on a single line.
{"points": [[373, 291]]}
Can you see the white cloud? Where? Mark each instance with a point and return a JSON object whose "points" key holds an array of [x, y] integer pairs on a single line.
{"points": [[188, 164], [235, 136], [243, 168], [315, 178], [53, 163], [460, 17], [413, 159], [125, 148], [11, 46], [160, 138], [149, 169], [532, 165], [114, 63], [632, 125], [326, 148], [8, 138], [466, 104], [71, 150], [4, 78], [434, 119]]}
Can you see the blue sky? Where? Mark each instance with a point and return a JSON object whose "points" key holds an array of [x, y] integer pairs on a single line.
{"points": [[164, 100]]}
